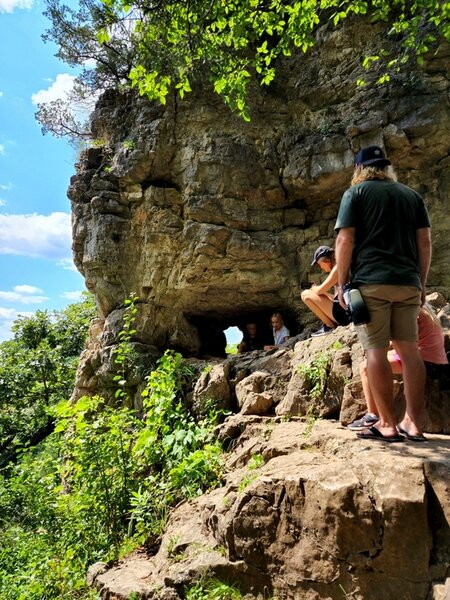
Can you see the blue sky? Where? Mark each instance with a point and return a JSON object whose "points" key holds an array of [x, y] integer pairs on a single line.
{"points": [[36, 269]]}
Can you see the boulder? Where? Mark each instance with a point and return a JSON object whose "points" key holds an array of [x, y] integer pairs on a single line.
{"points": [[326, 514]]}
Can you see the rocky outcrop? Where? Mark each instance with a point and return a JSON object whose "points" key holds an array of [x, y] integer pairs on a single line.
{"points": [[307, 510], [212, 221], [317, 378], [326, 515]]}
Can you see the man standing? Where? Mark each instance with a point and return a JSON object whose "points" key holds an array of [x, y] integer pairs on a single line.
{"points": [[384, 246]]}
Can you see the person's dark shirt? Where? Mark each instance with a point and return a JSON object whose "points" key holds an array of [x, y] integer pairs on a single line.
{"points": [[386, 215], [253, 343]]}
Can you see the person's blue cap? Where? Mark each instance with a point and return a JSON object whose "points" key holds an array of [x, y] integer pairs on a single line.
{"points": [[371, 156], [321, 252]]}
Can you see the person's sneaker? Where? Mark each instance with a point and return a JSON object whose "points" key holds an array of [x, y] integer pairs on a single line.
{"points": [[367, 420], [322, 331]]}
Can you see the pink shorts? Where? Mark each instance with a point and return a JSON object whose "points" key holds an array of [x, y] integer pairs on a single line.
{"points": [[395, 357]]}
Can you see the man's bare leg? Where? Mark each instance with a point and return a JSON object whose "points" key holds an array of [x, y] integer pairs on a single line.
{"points": [[396, 369], [414, 377], [371, 406], [381, 386]]}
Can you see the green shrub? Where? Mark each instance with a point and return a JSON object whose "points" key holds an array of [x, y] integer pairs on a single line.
{"points": [[213, 589], [104, 480], [316, 374]]}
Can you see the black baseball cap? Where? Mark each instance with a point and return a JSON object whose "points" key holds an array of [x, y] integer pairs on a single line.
{"points": [[371, 156], [321, 252]]}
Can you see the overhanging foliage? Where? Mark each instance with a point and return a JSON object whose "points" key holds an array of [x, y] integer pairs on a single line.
{"points": [[159, 46], [237, 41]]}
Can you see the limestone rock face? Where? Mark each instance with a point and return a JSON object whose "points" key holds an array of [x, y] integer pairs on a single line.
{"points": [[212, 387], [253, 394], [212, 221], [315, 378], [326, 514]]}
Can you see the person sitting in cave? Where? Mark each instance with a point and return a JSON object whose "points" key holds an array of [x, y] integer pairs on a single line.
{"points": [[318, 298], [252, 339], [280, 332]]}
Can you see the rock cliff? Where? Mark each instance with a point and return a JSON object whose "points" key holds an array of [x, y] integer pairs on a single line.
{"points": [[307, 511], [211, 220], [326, 516]]}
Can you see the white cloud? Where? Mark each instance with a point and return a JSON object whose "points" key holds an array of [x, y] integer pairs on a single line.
{"points": [[24, 294], [8, 6], [67, 264], [62, 89], [37, 236], [7, 313], [2, 148], [27, 289], [7, 318], [1, 94], [74, 296], [5, 187], [59, 89]]}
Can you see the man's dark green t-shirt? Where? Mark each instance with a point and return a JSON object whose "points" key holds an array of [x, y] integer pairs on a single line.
{"points": [[386, 215]]}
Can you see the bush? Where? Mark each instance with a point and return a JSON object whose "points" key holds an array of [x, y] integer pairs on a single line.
{"points": [[104, 480]]}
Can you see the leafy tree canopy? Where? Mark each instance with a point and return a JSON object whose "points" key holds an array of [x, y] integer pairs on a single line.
{"points": [[101, 65], [37, 370], [163, 45], [103, 479]]}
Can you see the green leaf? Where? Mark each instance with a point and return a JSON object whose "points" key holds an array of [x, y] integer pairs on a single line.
{"points": [[103, 36]]}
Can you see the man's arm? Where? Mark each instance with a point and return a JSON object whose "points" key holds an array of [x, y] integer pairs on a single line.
{"points": [[345, 242], [423, 239]]}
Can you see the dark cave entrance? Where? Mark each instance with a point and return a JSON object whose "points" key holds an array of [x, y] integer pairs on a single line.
{"points": [[211, 328]]}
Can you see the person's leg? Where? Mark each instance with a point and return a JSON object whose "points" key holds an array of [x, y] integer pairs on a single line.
{"points": [[320, 305], [396, 368], [371, 406], [404, 328], [380, 380], [374, 337], [414, 377]]}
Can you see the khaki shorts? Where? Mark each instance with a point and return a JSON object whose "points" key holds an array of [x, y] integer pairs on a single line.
{"points": [[393, 313]]}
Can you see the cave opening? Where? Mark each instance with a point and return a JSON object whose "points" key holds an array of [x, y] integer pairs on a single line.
{"points": [[212, 328]]}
